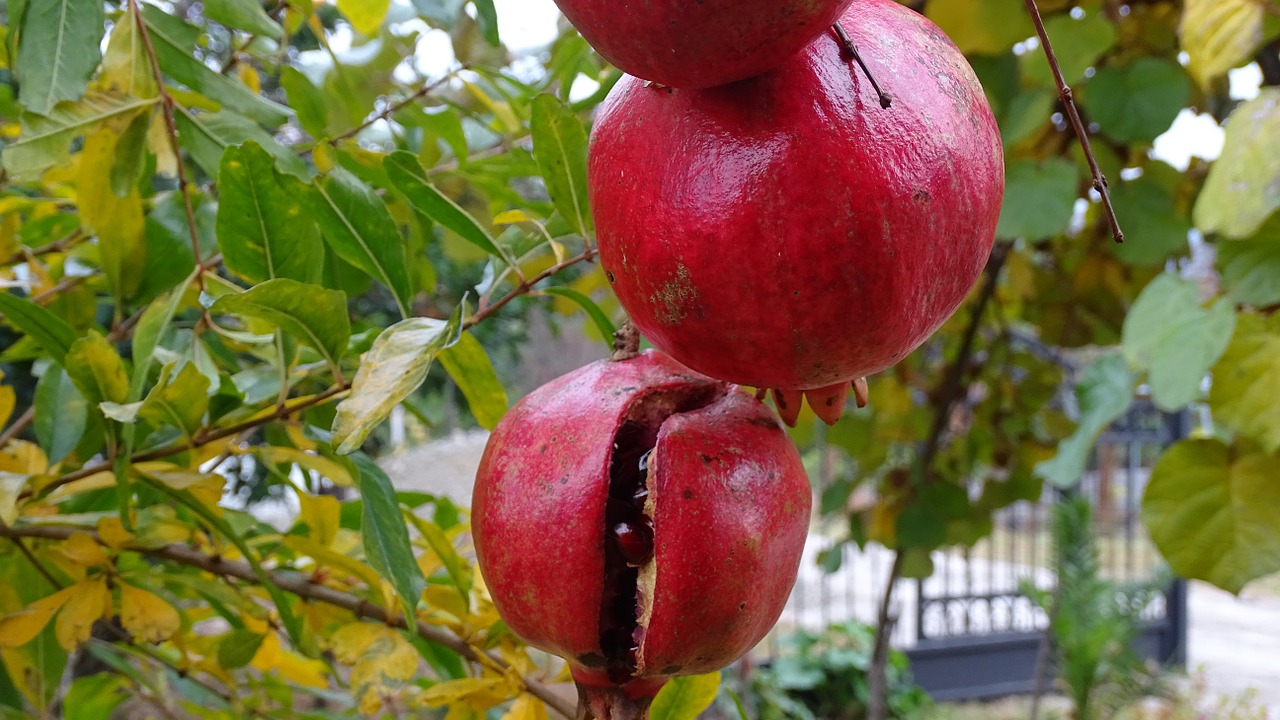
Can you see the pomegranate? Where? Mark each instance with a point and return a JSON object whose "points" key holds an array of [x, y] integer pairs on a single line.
{"points": [[787, 232], [641, 521], [699, 43]]}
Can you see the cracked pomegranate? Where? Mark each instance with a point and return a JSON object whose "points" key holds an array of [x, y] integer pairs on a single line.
{"points": [[788, 232], [642, 521], [686, 44]]}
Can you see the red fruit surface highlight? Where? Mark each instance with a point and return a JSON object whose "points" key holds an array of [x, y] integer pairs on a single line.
{"points": [[642, 521], [788, 232], [702, 43]]}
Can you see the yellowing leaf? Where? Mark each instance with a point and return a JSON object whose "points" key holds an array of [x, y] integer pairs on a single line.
{"points": [[365, 16], [249, 76], [327, 557], [125, 68], [526, 707], [323, 466], [11, 485], [271, 656], [1218, 35], [83, 550], [511, 217], [684, 698], [320, 513], [117, 221], [7, 402], [112, 532], [456, 690], [23, 458], [21, 627], [147, 616], [90, 600]]}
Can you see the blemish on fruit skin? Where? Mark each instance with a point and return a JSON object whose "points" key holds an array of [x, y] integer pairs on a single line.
{"points": [[676, 294]]}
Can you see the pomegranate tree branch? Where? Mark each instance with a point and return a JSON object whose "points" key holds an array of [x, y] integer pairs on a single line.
{"points": [[300, 585], [526, 285], [167, 105], [395, 107], [22, 422], [1073, 114]]}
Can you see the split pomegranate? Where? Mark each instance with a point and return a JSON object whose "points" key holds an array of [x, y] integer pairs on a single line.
{"points": [[787, 232], [641, 521], [702, 43]]}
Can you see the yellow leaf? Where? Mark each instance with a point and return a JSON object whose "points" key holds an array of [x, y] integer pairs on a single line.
{"points": [[365, 16], [21, 627], [159, 144], [320, 513], [330, 558], [350, 642], [456, 690], [125, 68], [249, 76], [271, 656], [81, 549], [90, 600], [7, 402], [117, 221], [383, 661], [1219, 35], [24, 458], [11, 485], [326, 468], [526, 707], [113, 534], [147, 616], [511, 217]]}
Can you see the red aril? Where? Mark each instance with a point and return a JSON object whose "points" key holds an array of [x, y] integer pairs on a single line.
{"points": [[788, 232], [699, 43]]}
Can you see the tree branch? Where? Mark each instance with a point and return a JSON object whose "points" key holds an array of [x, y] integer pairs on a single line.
{"points": [[399, 105], [1073, 113], [526, 285], [300, 585]]}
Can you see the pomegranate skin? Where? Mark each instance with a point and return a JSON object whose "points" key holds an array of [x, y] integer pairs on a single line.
{"points": [[786, 231], [727, 495], [687, 44]]}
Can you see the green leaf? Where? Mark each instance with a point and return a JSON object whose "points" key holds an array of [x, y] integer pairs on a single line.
{"points": [[1250, 268], [685, 697], [1078, 43], [61, 414], [1169, 334], [602, 322], [263, 231], [237, 648], [246, 15], [59, 50], [45, 140], [97, 370], [487, 19], [1218, 35], [1243, 187], [151, 327], [394, 367], [408, 177], [175, 41], [53, 334], [359, 229], [1153, 230], [386, 538], [208, 136], [365, 16], [986, 27], [1138, 102], [1246, 382], [130, 155], [180, 402], [1214, 512], [1104, 391], [459, 571], [1039, 199], [560, 147], [307, 101], [469, 366], [314, 315], [95, 697]]}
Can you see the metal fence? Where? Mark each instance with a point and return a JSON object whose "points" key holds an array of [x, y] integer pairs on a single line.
{"points": [[969, 629]]}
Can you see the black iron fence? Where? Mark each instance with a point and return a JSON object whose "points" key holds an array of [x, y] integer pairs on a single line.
{"points": [[970, 629]]}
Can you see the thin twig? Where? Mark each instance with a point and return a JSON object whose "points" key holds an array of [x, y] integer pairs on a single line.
{"points": [[64, 243], [877, 673], [1073, 113], [399, 105], [846, 44], [171, 128], [63, 285], [301, 585], [15, 429], [39, 566], [525, 286]]}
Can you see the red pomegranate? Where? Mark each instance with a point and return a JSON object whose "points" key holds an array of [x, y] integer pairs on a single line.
{"points": [[699, 43], [642, 521], [788, 232]]}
